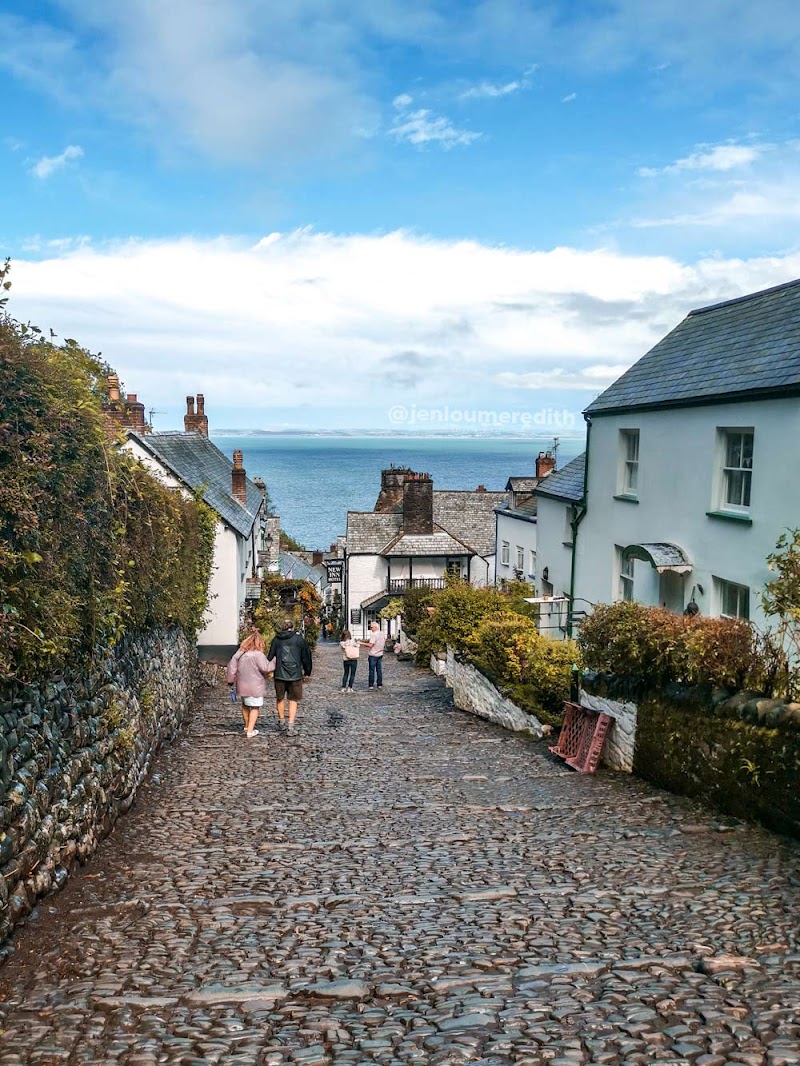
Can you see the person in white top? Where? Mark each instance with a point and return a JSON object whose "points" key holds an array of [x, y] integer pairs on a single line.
{"points": [[375, 643], [350, 652]]}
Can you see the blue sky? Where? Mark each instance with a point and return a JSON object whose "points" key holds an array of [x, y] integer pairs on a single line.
{"points": [[314, 215]]}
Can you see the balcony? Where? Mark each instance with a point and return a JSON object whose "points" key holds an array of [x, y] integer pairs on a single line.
{"points": [[398, 585]]}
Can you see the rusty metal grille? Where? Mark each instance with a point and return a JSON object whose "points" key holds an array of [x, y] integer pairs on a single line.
{"points": [[582, 736]]}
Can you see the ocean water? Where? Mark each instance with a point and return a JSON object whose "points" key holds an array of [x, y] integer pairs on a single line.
{"points": [[314, 481]]}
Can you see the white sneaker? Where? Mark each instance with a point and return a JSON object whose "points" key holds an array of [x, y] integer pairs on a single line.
{"points": [[344, 689], [253, 733]]}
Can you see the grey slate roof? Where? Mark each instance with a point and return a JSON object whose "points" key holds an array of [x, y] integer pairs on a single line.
{"points": [[200, 465], [525, 510], [291, 566], [437, 543], [751, 344], [566, 483], [467, 516]]}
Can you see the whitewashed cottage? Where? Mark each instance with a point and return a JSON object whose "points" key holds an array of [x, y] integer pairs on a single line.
{"points": [[691, 464], [415, 537]]}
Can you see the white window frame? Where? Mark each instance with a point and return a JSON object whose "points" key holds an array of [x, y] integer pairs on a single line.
{"points": [[520, 559], [625, 571], [740, 602], [532, 557], [628, 476], [505, 553], [735, 478]]}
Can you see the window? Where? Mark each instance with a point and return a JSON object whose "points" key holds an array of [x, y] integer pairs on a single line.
{"points": [[733, 600], [520, 558], [737, 469], [532, 568], [504, 553], [453, 567], [629, 462], [625, 576]]}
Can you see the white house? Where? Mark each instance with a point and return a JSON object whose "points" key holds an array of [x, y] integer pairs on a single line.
{"points": [[515, 529], [558, 500], [191, 462], [413, 538], [690, 463]]}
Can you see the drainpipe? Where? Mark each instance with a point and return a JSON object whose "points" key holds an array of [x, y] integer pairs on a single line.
{"points": [[496, 528], [578, 516]]}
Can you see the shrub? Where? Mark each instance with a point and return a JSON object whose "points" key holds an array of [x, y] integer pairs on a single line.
{"points": [[654, 647], [531, 670], [458, 610], [415, 608], [90, 544]]}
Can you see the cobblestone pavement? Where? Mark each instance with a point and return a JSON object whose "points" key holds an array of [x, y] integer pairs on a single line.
{"points": [[414, 886]]}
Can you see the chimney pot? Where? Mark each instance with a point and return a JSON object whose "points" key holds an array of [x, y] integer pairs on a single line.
{"points": [[481, 488], [132, 397], [190, 405], [201, 404], [113, 388], [545, 464]]}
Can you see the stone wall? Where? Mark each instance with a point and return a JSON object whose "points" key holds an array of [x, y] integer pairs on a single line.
{"points": [[73, 753], [475, 693], [620, 742], [739, 754]]}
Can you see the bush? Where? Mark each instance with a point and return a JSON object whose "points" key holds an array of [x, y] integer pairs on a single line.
{"points": [[654, 647], [458, 610], [534, 672], [416, 602], [90, 544]]}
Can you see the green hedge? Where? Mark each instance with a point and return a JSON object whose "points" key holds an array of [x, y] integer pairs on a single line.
{"points": [[90, 544]]}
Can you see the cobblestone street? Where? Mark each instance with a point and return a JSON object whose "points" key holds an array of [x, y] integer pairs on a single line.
{"points": [[412, 886]]}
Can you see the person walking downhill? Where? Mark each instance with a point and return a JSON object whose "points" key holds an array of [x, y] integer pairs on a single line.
{"points": [[375, 642], [247, 675], [292, 663], [350, 653]]}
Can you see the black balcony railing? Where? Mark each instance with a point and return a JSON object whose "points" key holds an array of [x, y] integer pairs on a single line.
{"points": [[402, 584]]}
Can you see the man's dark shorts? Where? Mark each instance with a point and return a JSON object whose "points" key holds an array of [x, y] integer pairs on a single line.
{"points": [[292, 689]]}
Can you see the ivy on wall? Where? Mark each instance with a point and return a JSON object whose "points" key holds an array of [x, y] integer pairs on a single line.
{"points": [[91, 545]]}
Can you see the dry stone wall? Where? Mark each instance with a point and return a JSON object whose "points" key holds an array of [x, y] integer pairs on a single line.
{"points": [[73, 753]]}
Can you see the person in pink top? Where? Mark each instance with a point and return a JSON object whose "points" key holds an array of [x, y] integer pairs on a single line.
{"points": [[247, 673]]}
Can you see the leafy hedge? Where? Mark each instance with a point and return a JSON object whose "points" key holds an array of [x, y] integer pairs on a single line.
{"points": [[655, 647], [90, 544]]}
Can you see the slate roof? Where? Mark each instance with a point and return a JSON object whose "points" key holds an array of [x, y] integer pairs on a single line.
{"points": [[522, 484], [200, 465], [751, 344], [467, 516], [294, 567], [525, 510], [437, 543], [566, 483]]}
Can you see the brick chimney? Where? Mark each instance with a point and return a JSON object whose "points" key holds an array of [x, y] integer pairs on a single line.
{"points": [[418, 504], [123, 412], [238, 483], [481, 488], [390, 498], [196, 423], [545, 464], [113, 388]]}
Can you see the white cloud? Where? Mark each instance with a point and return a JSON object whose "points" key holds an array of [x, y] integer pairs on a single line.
{"points": [[47, 166], [403, 102], [591, 378], [720, 158], [341, 321], [487, 90], [421, 127], [569, 98]]}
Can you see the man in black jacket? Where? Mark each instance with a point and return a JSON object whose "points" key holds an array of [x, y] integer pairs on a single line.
{"points": [[292, 663]]}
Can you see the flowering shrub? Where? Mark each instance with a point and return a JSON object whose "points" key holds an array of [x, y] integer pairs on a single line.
{"points": [[283, 598]]}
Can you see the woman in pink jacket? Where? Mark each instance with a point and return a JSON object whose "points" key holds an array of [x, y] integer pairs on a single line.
{"points": [[248, 671]]}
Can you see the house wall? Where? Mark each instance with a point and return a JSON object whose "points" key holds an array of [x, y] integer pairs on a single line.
{"points": [[677, 483], [519, 533], [554, 554], [233, 557]]}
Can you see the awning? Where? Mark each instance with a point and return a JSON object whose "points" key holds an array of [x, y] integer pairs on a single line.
{"points": [[373, 601], [661, 556]]}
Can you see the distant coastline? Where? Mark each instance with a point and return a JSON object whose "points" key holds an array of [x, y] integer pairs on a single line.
{"points": [[382, 434]]}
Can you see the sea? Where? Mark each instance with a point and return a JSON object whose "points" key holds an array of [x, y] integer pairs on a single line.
{"points": [[314, 481]]}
